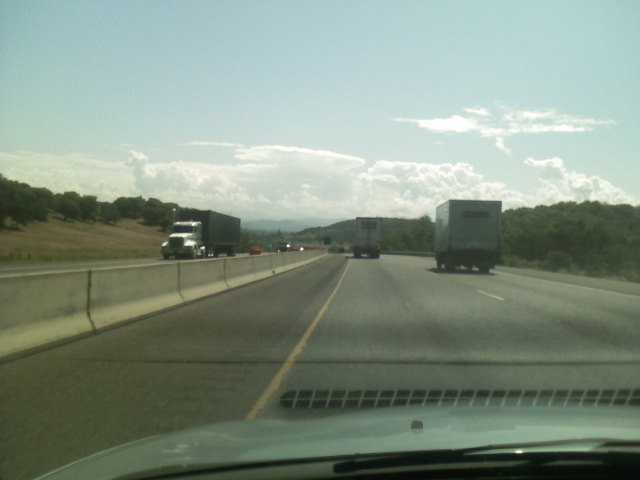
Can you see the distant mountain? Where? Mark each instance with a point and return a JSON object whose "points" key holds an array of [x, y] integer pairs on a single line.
{"points": [[285, 226]]}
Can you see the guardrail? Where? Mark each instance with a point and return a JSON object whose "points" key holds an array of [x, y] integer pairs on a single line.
{"points": [[40, 310]]}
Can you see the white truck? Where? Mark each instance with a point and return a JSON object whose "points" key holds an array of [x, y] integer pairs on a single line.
{"points": [[199, 233], [468, 234], [368, 237]]}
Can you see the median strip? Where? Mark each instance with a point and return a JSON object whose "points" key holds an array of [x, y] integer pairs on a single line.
{"points": [[295, 353]]}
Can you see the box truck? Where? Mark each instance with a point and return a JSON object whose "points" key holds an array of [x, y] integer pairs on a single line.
{"points": [[468, 234], [368, 237]]}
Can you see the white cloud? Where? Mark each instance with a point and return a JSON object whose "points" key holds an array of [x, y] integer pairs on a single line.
{"points": [[500, 145], [76, 172], [510, 122], [412, 189], [277, 181], [481, 111], [560, 184], [453, 124]]}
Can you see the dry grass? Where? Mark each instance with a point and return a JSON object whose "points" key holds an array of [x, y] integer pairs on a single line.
{"points": [[59, 240]]}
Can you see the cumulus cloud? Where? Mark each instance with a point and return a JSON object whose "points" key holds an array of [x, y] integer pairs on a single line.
{"points": [[509, 122], [560, 184], [287, 181], [412, 189], [279, 181], [82, 173]]}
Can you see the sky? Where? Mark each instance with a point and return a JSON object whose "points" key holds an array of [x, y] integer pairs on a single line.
{"points": [[327, 109]]}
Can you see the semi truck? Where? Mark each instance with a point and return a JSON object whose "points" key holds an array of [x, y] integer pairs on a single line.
{"points": [[468, 234], [201, 233], [368, 237]]}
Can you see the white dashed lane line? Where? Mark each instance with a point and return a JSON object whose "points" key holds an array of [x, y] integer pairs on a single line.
{"points": [[496, 297]]}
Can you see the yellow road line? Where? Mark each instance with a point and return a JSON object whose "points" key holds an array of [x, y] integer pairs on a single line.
{"points": [[293, 356]]}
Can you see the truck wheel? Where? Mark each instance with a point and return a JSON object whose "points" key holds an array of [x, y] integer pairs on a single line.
{"points": [[483, 268], [165, 256], [448, 267], [439, 265]]}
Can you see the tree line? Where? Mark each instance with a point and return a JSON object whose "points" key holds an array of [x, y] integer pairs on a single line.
{"points": [[22, 204], [590, 237]]}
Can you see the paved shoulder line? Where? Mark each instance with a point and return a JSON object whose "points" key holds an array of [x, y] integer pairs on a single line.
{"points": [[295, 353]]}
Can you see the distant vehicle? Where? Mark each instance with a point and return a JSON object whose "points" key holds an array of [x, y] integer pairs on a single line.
{"points": [[368, 236], [284, 247], [200, 233], [255, 250], [468, 234]]}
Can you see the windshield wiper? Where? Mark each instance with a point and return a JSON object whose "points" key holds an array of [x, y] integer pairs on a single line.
{"points": [[606, 453], [603, 451]]}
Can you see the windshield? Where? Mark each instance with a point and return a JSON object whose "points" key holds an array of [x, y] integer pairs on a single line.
{"points": [[418, 204], [183, 229]]}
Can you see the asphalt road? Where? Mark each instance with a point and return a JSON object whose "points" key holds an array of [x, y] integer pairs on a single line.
{"points": [[340, 323]]}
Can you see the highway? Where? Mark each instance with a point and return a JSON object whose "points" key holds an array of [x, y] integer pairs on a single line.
{"points": [[338, 323]]}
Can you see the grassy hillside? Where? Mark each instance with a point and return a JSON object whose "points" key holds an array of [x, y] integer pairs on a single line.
{"points": [[60, 240]]}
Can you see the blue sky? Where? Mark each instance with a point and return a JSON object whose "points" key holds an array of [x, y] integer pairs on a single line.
{"points": [[295, 109]]}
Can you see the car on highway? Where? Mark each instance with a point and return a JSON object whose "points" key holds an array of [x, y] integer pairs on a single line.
{"points": [[285, 247]]}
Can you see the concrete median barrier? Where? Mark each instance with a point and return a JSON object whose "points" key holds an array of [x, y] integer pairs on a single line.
{"points": [[203, 278], [43, 309], [239, 271], [40, 309], [293, 260], [119, 294], [266, 265]]}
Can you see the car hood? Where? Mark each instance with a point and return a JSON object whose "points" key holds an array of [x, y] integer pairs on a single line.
{"points": [[377, 430]]}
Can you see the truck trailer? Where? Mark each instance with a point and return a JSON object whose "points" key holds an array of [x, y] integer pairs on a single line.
{"points": [[368, 237], [201, 233], [468, 234]]}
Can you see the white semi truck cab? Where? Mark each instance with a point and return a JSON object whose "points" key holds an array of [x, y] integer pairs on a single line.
{"points": [[185, 241]]}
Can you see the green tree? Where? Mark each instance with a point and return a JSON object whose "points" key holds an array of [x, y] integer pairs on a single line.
{"points": [[108, 213], [68, 204], [558, 260], [4, 200], [158, 213], [21, 204], [245, 240], [88, 207], [130, 207], [69, 209]]}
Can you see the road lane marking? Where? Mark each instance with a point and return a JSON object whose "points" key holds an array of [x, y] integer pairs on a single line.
{"points": [[491, 295], [295, 353], [572, 285]]}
